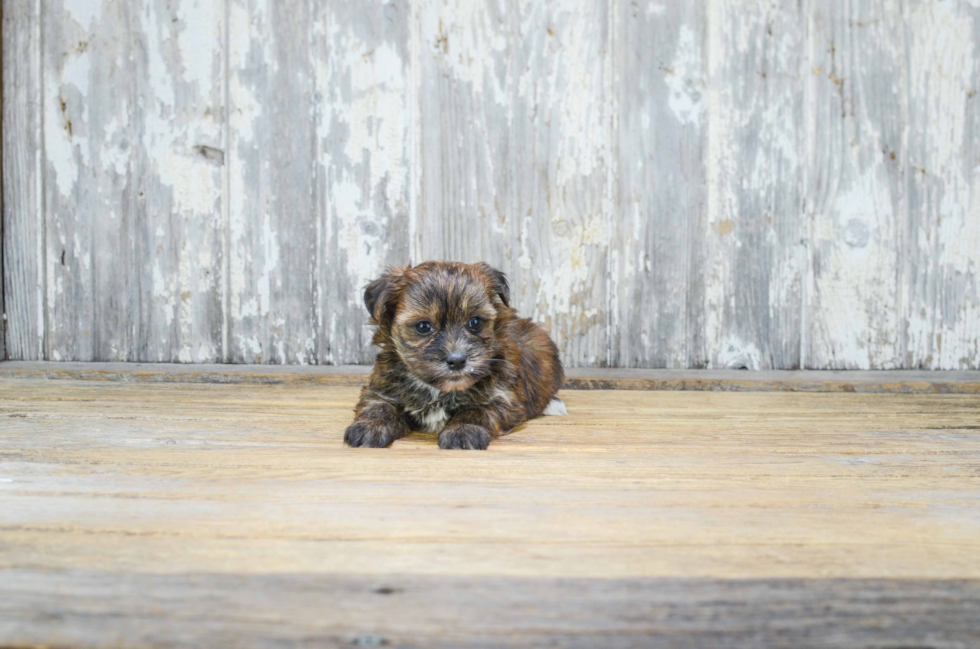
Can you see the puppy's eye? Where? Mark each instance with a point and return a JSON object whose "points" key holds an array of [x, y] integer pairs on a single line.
{"points": [[423, 327], [475, 324]]}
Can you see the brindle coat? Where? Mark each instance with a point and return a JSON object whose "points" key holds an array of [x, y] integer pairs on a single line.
{"points": [[455, 359]]}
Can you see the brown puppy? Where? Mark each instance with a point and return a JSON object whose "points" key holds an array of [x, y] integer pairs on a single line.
{"points": [[454, 360]]}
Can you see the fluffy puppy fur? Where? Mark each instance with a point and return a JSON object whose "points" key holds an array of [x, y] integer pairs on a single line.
{"points": [[455, 359]]}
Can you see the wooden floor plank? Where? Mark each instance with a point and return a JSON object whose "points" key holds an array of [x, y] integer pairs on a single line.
{"points": [[640, 519], [85, 608]]}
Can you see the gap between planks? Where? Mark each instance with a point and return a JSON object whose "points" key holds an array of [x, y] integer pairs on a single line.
{"points": [[887, 381]]}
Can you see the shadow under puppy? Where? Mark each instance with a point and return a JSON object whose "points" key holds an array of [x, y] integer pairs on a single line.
{"points": [[454, 360]]}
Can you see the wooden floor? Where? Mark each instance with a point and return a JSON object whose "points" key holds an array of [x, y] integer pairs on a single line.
{"points": [[179, 515]]}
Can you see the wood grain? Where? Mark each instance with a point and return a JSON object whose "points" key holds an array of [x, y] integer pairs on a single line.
{"points": [[272, 225], [858, 93], [940, 265], [776, 519], [80, 608], [754, 255], [179, 180], [363, 165], [515, 110], [657, 259], [91, 224], [565, 163], [133, 150], [466, 68], [23, 265]]}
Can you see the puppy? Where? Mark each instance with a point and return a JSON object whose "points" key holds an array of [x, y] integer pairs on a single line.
{"points": [[454, 360]]}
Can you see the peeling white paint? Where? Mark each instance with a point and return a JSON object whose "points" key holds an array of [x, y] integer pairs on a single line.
{"points": [[735, 354], [83, 12], [943, 324], [686, 79], [656, 9], [572, 272], [270, 262], [198, 31], [583, 144], [377, 82], [66, 149], [462, 35], [857, 293]]}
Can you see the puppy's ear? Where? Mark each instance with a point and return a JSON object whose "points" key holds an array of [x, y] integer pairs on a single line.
{"points": [[381, 295], [498, 281]]}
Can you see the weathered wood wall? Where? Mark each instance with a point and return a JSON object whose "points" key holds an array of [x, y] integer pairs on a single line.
{"points": [[721, 183]]}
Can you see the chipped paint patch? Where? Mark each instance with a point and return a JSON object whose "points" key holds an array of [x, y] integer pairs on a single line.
{"points": [[685, 78], [723, 227], [943, 312], [83, 12], [656, 9], [735, 354]]}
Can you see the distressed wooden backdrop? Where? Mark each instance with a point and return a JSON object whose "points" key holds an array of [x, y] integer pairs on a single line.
{"points": [[719, 183]]}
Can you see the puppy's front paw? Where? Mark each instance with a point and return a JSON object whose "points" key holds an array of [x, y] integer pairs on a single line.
{"points": [[465, 436], [368, 434]]}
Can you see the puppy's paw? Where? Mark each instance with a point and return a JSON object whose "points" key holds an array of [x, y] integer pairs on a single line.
{"points": [[368, 434], [465, 436]]}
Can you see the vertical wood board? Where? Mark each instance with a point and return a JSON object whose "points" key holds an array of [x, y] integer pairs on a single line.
{"points": [[363, 164], [656, 257], [90, 148], [23, 270], [515, 114], [133, 118], [272, 223], [857, 186], [754, 256], [941, 261], [179, 175]]}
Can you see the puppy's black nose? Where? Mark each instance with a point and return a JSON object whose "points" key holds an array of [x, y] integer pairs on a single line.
{"points": [[456, 360]]}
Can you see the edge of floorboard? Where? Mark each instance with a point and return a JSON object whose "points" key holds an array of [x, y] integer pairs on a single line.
{"points": [[884, 381]]}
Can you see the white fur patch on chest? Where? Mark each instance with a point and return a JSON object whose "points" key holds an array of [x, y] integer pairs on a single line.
{"points": [[433, 420], [433, 416]]}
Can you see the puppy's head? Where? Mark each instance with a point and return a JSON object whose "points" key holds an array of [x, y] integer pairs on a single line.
{"points": [[441, 318]]}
